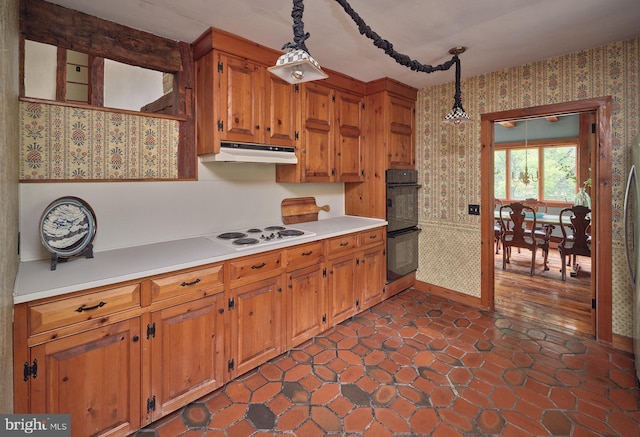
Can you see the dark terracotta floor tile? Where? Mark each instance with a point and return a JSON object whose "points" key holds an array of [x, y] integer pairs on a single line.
{"points": [[326, 419]]}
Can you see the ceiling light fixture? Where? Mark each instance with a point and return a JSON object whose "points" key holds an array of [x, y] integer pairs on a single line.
{"points": [[524, 176], [457, 114], [297, 65]]}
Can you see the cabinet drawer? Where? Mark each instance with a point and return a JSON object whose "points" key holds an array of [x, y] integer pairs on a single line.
{"points": [[64, 312], [339, 245], [196, 283], [303, 255], [372, 237], [255, 265]]}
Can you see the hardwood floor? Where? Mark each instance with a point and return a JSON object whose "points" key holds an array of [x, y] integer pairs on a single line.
{"points": [[544, 298]]}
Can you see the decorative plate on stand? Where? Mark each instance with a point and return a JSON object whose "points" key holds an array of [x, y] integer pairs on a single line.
{"points": [[67, 228]]}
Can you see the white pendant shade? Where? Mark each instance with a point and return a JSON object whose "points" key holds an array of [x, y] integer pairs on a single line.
{"points": [[457, 116], [297, 66]]}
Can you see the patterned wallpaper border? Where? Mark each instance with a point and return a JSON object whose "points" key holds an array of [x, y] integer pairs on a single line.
{"points": [[59, 142], [448, 158]]}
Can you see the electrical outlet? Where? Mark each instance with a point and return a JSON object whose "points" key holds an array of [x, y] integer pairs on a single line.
{"points": [[474, 209]]}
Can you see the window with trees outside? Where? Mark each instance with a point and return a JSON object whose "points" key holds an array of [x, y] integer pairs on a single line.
{"points": [[545, 170]]}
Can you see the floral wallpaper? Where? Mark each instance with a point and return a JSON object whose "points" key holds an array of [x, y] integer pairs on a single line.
{"points": [[60, 142], [448, 158]]}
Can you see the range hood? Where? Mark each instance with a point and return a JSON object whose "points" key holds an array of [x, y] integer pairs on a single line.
{"points": [[245, 152]]}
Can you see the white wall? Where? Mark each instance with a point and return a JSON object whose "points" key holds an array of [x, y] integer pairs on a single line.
{"points": [[227, 196], [130, 87]]}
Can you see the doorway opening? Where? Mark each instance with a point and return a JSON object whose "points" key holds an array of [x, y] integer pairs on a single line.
{"points": [[601, 192]]}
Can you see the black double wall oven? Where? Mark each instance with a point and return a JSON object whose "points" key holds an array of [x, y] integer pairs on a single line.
{"points": [[402, 223]]}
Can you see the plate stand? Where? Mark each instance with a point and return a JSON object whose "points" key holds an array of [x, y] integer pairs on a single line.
{"points": [[87, 253]]}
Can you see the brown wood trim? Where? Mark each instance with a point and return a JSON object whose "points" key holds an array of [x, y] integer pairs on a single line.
{"points": [[96, 81], [601, 188], [61, 74], [487, 277], [392, 86], [101, 108], [456, 296], [62, 27], [185, 102], [622, 343]]}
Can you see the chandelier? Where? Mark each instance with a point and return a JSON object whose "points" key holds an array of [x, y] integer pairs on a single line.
{"points": [[524, 176], [297, 65]]}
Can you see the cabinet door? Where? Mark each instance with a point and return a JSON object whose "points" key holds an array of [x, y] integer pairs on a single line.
{"points": [[186, 353], [241, 99], [402, 118], [343, 292], [256, 324], [94, 376], [372, 271], [349, 141], [317, 133], [306, 308], [281, 111]]}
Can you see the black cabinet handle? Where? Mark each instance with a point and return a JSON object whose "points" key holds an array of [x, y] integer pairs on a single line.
{"points": [[258, 266], [307, 253], [344, 244], [187, 284], [95, 307]]}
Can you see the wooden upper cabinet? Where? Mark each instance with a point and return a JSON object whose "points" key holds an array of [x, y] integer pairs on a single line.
{"points": [[242, 90], [331, 137], [238, 100], [349, 137], [401, 133], [281, 121], [317, 141]]}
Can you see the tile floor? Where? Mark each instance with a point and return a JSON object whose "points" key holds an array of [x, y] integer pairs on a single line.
{"points": [[418, 365]]}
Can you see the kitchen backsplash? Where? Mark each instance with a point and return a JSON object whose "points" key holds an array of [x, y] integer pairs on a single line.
{"points": [[60, 142]]}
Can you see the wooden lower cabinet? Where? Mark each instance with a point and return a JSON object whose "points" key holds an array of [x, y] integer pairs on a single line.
{"points": [[187, 354], [372, 270], [119, 357], [343, 292], [256, 319], [92, 375], [305, 304]]}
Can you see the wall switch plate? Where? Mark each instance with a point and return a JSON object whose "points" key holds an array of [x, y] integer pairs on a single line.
{"points": [[474, 209]]}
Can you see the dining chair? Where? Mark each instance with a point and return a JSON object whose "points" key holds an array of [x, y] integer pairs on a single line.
{"points": [[576, 239], [497, 227], [538, 206], [516, 234]]}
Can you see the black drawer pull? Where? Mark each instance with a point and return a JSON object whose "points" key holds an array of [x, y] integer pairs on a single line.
{"points": [[95, 307], [344, 244], [187, 284], [307, 253], [258, 266], [373, 237]]}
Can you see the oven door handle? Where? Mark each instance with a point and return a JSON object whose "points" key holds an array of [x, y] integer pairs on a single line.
{"points": [[402, 232]]}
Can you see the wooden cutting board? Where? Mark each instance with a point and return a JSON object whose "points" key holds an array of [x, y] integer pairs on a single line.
{"points": [[300, 210]]}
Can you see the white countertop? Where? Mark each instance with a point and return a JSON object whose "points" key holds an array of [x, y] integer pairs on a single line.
{"points": [[36, 280]]}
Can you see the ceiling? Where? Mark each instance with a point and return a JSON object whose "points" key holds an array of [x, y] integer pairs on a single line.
{"points": [[498, 33]]}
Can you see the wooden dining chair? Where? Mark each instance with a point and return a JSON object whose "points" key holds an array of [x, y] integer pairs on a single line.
{"points": [[497, 227], [576, 239], [538, 206], [516, 234]]}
